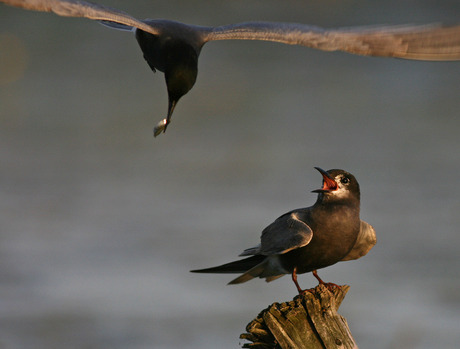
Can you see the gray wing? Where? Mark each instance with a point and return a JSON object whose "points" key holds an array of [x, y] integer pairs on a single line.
{"points": [[79, 8], [287, 233], [420, 42], [365, 241]]}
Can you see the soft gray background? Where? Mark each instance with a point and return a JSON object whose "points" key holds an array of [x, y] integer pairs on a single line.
{"points": [[101, 223]]}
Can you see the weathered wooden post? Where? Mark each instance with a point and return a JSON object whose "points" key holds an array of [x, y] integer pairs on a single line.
{"points": [[308, 321]]}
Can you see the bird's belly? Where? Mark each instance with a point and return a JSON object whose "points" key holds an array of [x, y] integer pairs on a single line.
{"points": [[318, 254]]}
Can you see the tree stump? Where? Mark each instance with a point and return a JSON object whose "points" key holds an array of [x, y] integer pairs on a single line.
{"points": [[308, 321]]}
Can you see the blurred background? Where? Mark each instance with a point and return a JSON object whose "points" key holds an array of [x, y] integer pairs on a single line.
{"points": [[100, 223]]}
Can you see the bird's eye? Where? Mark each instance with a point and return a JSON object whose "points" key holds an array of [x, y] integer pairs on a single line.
{"points": [[345, 180]]}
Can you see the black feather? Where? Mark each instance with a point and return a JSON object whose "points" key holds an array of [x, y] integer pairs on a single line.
{"points": [[240, 266]]}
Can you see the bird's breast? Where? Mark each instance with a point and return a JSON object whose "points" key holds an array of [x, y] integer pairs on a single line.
{"points": [[334, 235]]}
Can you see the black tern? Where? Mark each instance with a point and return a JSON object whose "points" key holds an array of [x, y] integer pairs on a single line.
{"points": [[173, 47], [307, 239]]}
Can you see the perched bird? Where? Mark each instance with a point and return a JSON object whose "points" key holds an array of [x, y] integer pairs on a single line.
{"points": [[173, 48], [307, 239]]}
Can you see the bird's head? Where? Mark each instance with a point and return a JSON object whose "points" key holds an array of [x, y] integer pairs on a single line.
{"points": [[338, 185], [174, 51]]}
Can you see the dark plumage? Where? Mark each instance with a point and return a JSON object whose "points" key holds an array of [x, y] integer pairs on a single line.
{"points": [[175, 53], [307, 239], [173, 47]]}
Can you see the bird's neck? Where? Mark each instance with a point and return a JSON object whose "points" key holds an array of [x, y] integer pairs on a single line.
{"points": [[338, 207]]}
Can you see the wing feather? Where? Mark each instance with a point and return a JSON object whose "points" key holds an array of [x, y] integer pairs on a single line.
{"points": [[365, 241], [79, 8], [420, 42], [287, 233]]}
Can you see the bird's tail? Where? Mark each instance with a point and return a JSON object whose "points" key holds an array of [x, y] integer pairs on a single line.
{"points": [[240, 266], [251, 267]]}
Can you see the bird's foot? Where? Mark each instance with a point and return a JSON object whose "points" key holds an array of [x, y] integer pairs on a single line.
{"points": [[309, 290], [331, 286]]}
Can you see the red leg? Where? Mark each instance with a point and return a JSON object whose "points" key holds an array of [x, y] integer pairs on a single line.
{"points": [[294, 278], [329, 285]]}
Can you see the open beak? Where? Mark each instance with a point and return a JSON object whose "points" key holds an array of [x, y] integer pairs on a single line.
{"points": [[329, 184]]}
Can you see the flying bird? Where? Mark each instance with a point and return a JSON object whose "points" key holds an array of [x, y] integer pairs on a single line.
{"points": [[173, 47], [307, 239]]}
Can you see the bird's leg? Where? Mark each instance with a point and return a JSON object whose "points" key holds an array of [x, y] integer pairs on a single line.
{"points": [[315, 274], [329, 285], [294, 278]]}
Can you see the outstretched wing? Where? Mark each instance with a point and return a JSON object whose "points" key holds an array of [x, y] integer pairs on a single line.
{"points": [[287, 233], [365, 241], [79, 8], [420, 42]]}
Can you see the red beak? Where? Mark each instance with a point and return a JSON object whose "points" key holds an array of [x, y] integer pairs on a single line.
{"points": [[329, 184]]}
